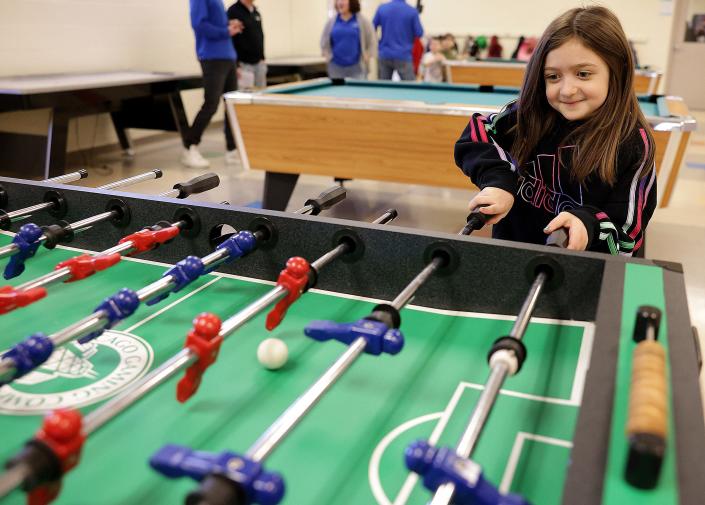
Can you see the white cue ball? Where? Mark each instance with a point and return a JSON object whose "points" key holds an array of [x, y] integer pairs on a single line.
{"points": [[272, 353]]}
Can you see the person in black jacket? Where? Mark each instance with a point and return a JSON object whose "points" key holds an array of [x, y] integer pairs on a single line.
{"points": [[249, 44], [574, 151]]}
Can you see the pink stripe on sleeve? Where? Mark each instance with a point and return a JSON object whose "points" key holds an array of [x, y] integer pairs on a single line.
{"points": [[640, 205], [480, 122], [637, 245], [473, 133]]}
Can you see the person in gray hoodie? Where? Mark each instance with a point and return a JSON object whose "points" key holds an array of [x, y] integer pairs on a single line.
{"points": [[348, 41]]}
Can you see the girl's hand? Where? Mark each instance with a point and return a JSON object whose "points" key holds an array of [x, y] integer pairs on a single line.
{"points": [[497, 203], [577, 233]]}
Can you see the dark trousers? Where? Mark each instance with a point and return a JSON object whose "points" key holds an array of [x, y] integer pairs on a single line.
{"points": [[405, 69], [219, 76]]}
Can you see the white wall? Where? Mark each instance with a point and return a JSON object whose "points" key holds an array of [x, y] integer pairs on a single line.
{"points": [[60, 36], [641, 19], [47, 36]]}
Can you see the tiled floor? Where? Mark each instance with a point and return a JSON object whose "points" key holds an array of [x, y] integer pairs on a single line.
{"points": [[676, 233]]}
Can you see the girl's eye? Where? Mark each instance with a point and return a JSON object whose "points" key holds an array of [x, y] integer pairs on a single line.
{"points": [[584, 74], [551, 77]]}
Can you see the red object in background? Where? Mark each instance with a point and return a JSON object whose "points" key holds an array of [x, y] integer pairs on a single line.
{"points": [[495, 48], [416, 54]]}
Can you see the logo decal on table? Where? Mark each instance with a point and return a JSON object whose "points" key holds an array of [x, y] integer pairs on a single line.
{"points": [[79, 374]]}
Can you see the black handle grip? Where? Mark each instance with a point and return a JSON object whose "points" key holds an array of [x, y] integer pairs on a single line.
{"points": [[327, 199], [646, 316], [388, 216], [83, 173], [474, 221], [197, 185], [157, 173], [558, 238]]}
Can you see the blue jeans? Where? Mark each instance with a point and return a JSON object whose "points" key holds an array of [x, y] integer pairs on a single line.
{"points": [[351, 71], [404, 68]]}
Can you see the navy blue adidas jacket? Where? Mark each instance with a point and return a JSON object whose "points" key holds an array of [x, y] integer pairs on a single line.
{"points": [[615, 216]]}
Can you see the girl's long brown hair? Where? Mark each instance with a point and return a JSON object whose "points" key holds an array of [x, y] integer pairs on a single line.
{"points": [[597, 140]]}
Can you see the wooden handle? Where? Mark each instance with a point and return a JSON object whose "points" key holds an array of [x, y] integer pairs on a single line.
{"points": [[647, 422]]}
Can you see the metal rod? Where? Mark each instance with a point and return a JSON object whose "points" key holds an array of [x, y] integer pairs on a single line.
{"points": [[110, 409], [122, 249], [53, 277], [387, 217], [152, 174], [330, 256], [467, 443], [304, 210], [408, 292], [233, 323], [20, 214], [90, 221], [171, 193], [269, 440], [77, 227], [65, 179], [498, 374], [165, 283], [13, 478], [155, 288], [528, 306], [215, 258], [7, 369], [88, 324], [8, 250]]}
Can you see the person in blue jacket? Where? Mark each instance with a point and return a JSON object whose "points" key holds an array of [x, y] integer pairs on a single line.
{"points": [[217, 58], [400, 25], [348, 41]]}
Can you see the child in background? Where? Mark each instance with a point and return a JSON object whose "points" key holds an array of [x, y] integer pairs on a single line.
{"points": [[449, 46], [574, 151], [526, 49], [431, 69]]}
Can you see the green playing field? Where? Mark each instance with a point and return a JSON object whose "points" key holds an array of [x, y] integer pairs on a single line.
{"points": [[349, 449]]}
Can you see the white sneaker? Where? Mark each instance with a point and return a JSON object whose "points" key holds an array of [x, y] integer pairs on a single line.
{"points": [[232, 157], [193, 159]]}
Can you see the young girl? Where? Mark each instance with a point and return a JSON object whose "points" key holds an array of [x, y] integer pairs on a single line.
{"points": [[574, 151], [431, 69]]}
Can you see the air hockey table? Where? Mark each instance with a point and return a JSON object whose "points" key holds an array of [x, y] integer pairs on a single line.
{"points": [[556, 435], [394, 131], [134, 99]]}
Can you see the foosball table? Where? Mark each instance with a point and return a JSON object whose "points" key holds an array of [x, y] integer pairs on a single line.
{"points": [[417, 366]]}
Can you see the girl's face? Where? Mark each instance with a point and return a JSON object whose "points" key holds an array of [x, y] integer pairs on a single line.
{"points": [[577, 80], [342, 6]]}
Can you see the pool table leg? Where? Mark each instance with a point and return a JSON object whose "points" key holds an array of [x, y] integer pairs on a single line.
{"points": [[121, 132], [277, 190]]}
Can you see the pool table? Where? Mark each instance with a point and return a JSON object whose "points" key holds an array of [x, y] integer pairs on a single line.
{"points": [[392, 131], [501, 72], [555, 435]]}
